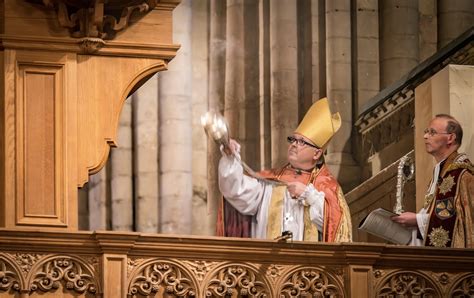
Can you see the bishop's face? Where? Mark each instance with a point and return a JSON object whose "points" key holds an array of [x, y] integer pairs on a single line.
{"points": [[302, 153], [436, 138]]}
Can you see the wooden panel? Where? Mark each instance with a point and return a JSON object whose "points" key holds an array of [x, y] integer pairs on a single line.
{"points": [[100, 107], [360, 281], [115, 275], [41, 198], [38, 119]]}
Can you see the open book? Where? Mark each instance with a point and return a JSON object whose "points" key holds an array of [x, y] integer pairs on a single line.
{"points": [[378, 223]]}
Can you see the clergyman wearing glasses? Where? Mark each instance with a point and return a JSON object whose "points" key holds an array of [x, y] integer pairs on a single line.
{"points": [[306, 199], [447, 218]]}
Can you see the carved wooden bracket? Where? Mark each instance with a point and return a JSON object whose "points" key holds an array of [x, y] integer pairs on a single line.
{"points": [[97, 20]]}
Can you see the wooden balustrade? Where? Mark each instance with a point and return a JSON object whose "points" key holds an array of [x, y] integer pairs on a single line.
{"points": [[120, 264]]}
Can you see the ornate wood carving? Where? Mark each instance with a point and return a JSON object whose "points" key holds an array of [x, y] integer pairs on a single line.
{"points": [[75, 275], [211, 267], [156, 276], [311, 282], [200, 268], [10, 279], [274, 272], [26, 261], [464, 287], [96, 20], [236, 280], [407, 284]]}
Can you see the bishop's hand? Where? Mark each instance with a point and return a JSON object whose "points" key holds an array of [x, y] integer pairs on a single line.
{"points": [[296, 189], [232, 148]]}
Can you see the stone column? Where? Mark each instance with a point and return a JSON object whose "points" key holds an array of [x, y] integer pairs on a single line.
{"points": [[217, 29], [265, 88], [175, 127], [305, 56], [399, 46], [99, 199], [284, 76], [145, 144], [318, 39], [428, 34], [242, 86], [202, 223], [83, 207], [367, 76], [454, 17], [339, 90], [121, 173]]}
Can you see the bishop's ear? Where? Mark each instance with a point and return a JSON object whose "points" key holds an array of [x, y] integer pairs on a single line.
{"points": [[317, 154]]}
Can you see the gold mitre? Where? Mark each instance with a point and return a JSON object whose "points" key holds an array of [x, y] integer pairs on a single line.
{"points": [[319, 125]]}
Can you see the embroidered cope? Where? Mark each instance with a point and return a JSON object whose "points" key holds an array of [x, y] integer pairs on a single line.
{"points": [[446, 220]]}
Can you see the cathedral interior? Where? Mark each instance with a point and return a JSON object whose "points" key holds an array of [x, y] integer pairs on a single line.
{"points": [[109, 182]]}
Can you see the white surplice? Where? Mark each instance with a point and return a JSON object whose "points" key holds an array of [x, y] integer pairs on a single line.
{"points": [[252, 197]]}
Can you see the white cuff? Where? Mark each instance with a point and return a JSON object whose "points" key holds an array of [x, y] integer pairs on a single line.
{"points": [[311, 195], [422, 220]]}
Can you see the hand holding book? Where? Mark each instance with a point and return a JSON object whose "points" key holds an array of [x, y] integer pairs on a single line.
{"points": [[379, 223]]}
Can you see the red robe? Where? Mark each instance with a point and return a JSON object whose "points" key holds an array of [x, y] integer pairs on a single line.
{"points": [[231, 223]]}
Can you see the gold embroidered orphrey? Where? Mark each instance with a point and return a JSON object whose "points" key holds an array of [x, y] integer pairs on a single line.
{"points": [[428, 199], [446, 185], [439, 237]]}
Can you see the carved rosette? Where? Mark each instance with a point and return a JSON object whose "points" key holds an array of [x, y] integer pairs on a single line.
{"points": [[200, 268], [407, 284], [310, 282], [236, 280], [275, 271], [162, 276], [132, 264], [10, 279], [74, 274], [26, 261], [464, 287]]}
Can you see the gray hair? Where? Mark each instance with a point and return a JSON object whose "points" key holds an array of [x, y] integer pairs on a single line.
{"points": [[452, 127]]}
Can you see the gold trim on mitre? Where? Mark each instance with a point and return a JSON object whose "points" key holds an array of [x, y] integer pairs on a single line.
{"points": [[319, 125]]}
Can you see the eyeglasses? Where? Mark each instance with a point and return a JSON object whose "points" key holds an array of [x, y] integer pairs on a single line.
{"points": [[431, 132], [300, 142]]}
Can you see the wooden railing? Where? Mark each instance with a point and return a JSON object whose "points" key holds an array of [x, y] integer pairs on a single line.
{"points": [[116, 264], [378, 192]]}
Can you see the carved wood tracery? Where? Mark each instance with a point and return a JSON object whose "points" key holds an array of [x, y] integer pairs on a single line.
{"points": [[165, 276], [69, 272], [463, 287], [407, 284], [310, 282], [236, 280], [10, 278], [30, 272]]}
